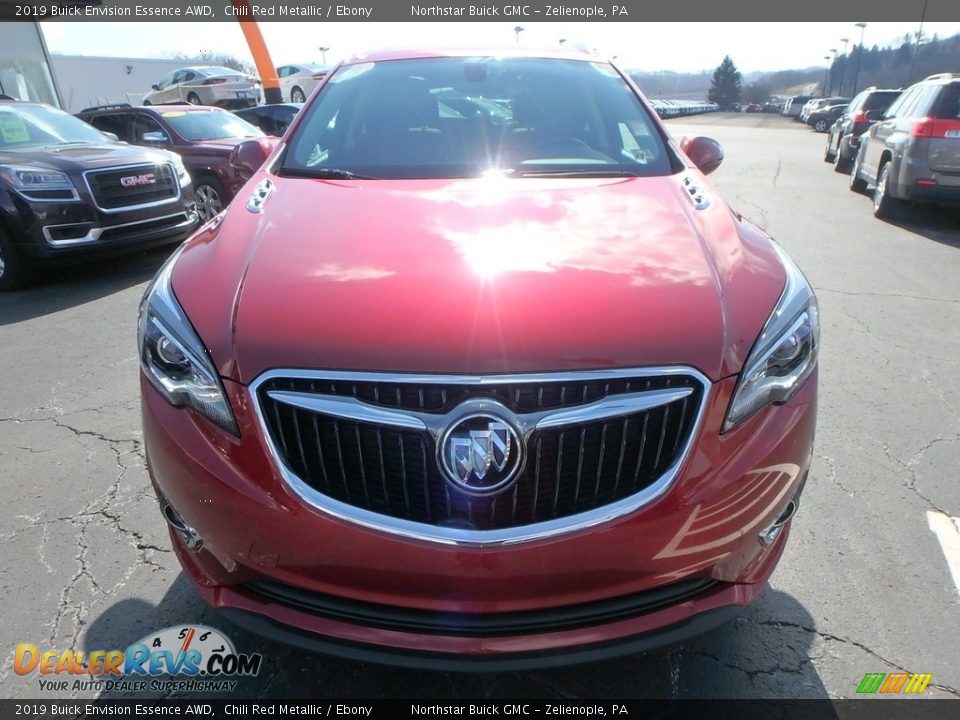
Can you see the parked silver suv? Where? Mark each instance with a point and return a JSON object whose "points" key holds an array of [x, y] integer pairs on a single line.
{"points": [[913, 150]]}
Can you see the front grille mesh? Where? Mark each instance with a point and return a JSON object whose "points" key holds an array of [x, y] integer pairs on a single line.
{"points": [[110, 194], [394, 472]]}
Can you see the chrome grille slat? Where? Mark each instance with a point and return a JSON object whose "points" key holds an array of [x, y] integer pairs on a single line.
{"points": [[591, 444]]}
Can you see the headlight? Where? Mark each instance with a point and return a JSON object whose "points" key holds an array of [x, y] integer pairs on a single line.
{"points": [[173, 357], [27, 179], [181, 169], [785, 353]]}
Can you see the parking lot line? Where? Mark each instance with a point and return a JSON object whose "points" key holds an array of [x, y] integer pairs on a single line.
{"points": [[947, 530]]}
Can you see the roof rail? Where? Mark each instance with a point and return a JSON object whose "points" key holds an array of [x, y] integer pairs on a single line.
{"points": [[115, 106], [943, 76]]}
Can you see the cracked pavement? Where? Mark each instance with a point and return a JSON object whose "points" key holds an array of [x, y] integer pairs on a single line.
{"points": [[863, 585]]}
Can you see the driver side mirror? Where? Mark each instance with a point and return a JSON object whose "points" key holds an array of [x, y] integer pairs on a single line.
{"points": [[247, 157], [155, 86], [706, 153], [154, 138]]}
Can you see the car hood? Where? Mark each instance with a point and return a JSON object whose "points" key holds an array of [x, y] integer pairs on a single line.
{"points": [[478, 276], [77, 158]]}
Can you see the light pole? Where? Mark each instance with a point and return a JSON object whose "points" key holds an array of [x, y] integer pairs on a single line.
{"points": [[826, 74], [856, 75], [916, 46], [833, 62], [323, 53], [843, 69], [517, 30]]}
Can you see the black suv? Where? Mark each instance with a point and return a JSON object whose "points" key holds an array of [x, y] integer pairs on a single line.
{"points": [[68, 190], [844, 133]]}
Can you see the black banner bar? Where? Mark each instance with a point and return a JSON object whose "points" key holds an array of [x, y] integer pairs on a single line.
{"points": [[458, 10], [522, 709]]}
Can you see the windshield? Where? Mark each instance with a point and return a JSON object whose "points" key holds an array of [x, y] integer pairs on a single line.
{"points": [[209, 124], [26, 126], [463, 117]]}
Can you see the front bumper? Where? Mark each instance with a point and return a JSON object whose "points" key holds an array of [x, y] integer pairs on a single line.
{"points": [[706, 527], [50, 232]]}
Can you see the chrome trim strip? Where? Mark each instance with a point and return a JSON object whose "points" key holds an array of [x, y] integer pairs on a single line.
{"points": [[141, 206], [348, 408], [478, 538], [614, 407], [94, 233], [353, 409]]}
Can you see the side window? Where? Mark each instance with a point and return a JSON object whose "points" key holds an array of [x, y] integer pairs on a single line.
{"points": [[116, 124], [283, 71], [911, 104], [856, 103], [165, 81], [926, 101], [189, 76], [140, 124], [178, 77], [895, 106]]}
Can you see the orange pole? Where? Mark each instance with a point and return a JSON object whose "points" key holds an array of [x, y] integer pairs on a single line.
{"points": [[261, 56]]}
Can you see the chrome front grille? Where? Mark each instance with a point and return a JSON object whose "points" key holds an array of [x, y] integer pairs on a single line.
{"points": [[364, 446], [134, 186]]}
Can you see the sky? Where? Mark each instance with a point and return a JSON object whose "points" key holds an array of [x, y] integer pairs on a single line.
{"points": [[680, 47]]}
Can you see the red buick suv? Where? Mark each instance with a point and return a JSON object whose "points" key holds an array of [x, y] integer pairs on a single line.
{"points": [[479, 370]]}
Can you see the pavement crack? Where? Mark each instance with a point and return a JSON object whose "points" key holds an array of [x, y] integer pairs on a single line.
{"points": [[922, 298], [853, 643]]}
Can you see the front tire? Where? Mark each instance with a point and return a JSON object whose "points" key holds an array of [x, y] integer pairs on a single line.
{"points": [[147, 103], [885, 206], [297, 95], [840, 163], [15, 272], [210, 197], [857, 184]]}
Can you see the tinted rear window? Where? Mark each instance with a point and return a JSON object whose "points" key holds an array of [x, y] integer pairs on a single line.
{"points": [[880, 101], [947, 106]]}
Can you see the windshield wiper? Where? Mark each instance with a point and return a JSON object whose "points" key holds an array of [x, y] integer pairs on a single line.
{"points": [[327, 174], [584, 172]]}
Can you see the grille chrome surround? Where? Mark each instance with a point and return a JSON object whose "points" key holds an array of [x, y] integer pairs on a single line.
{"points": [[430, 424]]}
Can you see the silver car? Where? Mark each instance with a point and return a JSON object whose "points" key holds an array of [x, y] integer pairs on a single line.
{"points": [[912, 152], [206, 85], [298, 81]]}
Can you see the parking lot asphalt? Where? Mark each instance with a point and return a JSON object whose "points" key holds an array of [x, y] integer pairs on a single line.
{"points": [[864, 585]]}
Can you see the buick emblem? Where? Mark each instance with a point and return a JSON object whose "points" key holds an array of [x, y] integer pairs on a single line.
{"points": [[135, 180], [481, 454]]}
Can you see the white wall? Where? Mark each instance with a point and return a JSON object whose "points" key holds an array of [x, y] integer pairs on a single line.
{"points": [[88, 81]]}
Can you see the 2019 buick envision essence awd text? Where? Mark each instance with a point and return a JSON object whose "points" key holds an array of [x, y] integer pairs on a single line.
{"points": [[479, 371]]}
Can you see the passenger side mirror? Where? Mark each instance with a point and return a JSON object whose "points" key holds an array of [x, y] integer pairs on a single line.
{"points": [[706, 153], [247, 157], [154, 138], [874, 115], [112, 136]]}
